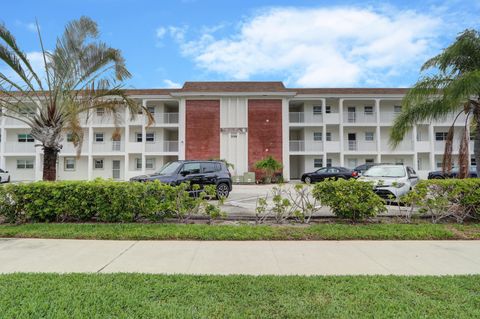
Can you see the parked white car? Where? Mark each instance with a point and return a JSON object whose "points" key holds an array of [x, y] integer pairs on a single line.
{"points": [[391, 181], [4, 176]]}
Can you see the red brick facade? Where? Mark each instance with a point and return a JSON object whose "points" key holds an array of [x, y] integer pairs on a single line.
{"points": [[202, 131], [264, 130]]}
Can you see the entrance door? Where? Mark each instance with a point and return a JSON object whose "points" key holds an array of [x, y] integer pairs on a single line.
{"points": [[351, 114], [116, 169], [352, 141]]}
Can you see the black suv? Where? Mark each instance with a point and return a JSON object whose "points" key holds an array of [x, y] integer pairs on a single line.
{"points": [[193, 172]]}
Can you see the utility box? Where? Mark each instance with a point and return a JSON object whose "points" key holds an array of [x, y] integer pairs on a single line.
{"points": [[237, 179], [249, 177]]}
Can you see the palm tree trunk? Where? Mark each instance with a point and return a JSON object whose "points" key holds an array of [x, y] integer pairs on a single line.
{"points": [[50, 156]]}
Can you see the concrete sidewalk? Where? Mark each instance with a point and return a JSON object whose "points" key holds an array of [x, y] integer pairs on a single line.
{"points": [[241, 257]]}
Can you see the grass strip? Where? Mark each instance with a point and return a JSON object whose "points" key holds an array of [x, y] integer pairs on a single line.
{"points": [[424, 231], [185, 296]]}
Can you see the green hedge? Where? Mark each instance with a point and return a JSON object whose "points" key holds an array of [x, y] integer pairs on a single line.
{"points": [[99, 200], [446, 199]]}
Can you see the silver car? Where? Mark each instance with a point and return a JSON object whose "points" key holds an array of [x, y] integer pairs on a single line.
{"points": [[391, 181]]}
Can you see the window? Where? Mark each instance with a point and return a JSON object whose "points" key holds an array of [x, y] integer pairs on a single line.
{"points": [[329, 162], [210, 167], [317, 162], [24, 138], [69, 137], [151, 109], [99, 137], [473, 162], [98, 163], [317, 136], [192, 168], [100, 111], [368, 110], [24, 163], [441, 136], [328, 109], [369, 161], [138, 163], [150, 137], [439, 164], [138, 137], [69, 163], [150, 163], [329, 136], [399, 161], [397, 108], [317, 110], [369, 136]]}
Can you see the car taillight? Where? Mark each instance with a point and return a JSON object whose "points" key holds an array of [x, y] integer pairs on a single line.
{"points": [[354, 174]]}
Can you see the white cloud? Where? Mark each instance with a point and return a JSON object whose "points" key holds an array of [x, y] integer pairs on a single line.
{"points": [[36, 61], [336, 46], [171, 84], [160, 32]]}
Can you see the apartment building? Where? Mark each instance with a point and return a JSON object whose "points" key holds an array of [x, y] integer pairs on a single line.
{"points": [[242, 122]]}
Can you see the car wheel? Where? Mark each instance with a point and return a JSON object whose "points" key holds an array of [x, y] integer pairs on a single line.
{"points": [[308, 180], [222, 190]]}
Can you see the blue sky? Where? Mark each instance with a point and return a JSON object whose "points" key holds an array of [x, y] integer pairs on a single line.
{"points": [[303, 43]]}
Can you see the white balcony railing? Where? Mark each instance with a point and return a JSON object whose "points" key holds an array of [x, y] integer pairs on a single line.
{"points": [[402, 146], [107, 119], [359, 117], [360, 146], [165, 146], [306, 146], [302, 117], [17, 147], [68, 147], [387, 117], [112, 146], [166, 118]]}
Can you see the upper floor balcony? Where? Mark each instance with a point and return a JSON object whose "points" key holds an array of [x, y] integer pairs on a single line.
{"points": [[359, 146], [162, 147], [403, 146], [18, 147], [359, 117], [305, 146], [305, 118], [108, 147]]}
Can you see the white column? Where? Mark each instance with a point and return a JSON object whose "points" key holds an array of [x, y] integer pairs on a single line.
{"points": [[181, 129], [126, 141], [431, 137], [90, 148], [285, 140], [377, 137], [144, 137], [2, 144], [415, 154], [324, 133], [38, 163], [340, 130]]}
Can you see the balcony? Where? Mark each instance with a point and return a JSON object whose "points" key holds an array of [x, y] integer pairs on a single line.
{"points": [[332, 146], [404, 146], [388, 117], [166, 118], [359, 146], [331, 118], [108, 147], [306, 118], [359, 117], [69, 148], [17, 147], [306, 146], [162, 147], [107, 119]]}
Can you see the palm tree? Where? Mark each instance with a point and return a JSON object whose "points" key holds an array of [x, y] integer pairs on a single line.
{"points": [[454, 86], [80, 75]]}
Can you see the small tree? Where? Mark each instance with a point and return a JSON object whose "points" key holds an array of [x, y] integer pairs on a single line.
{"points": [[268, 166]]}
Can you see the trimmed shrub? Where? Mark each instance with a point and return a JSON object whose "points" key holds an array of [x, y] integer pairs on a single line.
{"points": [[350, 199], [446, 199], [99, 200]]}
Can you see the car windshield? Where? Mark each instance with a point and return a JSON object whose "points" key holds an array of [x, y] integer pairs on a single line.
{"points": [[169, 168], [385, 171]]}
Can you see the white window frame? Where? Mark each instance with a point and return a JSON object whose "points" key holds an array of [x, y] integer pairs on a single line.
{"points": [[317, 162], [316, 136], [69, 137], [150, 108], [369, 107], [146, 137], [397, 109], [367, 134], [138, 160], [25, 163], [328, 109], [329, 162], [152, 163], [444, 136], [27, 138], [100, 111], [66, 163], [317, 110], [138, 137], [95, 160], [328, 137], [95, 137]]}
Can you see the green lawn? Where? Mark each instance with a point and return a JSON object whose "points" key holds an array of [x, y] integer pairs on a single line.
{"points": [[243, 232], [182, 296]]}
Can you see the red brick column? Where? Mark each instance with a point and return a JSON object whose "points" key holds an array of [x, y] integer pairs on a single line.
{"points": [[264, 130], [202, 131]]}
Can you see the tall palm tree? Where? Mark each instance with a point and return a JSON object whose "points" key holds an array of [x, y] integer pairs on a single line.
{"points": [[80, 74], [453, 86]]}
